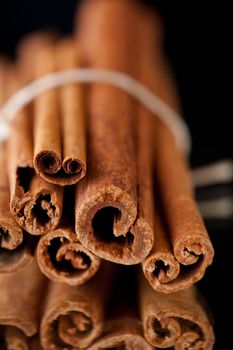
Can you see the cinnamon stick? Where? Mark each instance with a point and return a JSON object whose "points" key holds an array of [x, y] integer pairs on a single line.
{"points": [[35, 204], [62, 258], [28, 49], [16, 248], [108, 221], [182, 239], [72, 114], [20, 298], [73, 316], [59, 129], [178, 320]]}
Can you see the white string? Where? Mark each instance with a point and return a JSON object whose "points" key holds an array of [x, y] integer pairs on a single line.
{"points": [[221, 208], [90, 75], [220, 172]]}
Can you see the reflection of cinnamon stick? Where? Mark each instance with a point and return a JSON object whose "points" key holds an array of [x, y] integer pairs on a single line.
{"points": [[73, 316], [177, 320], [61, 257], [124, 333], [35, 343], [182, 249], [60, 148], [123, 328], [35, 204], [20, 298], [107, 220]]}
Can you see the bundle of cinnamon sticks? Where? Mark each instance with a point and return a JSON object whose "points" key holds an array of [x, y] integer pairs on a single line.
{"points": [[89, 177]]}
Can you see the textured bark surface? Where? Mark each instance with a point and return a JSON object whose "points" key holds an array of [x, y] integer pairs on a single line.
{"points": [[108, 221], [182, 249]]}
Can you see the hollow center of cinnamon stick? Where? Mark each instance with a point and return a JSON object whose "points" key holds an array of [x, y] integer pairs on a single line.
{"points": [[72, 166], [24, 177], [160, 266], [103, 224], [160, 331], [193, 252], [73, 326], [43, 209], [68, 261], [48, 162], [4, 238]]}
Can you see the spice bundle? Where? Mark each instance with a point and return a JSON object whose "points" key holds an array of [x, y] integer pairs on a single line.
{"points": [[90, 178]]}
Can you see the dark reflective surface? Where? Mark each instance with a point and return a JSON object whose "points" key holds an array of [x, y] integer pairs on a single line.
{"points": [[198, 41]]}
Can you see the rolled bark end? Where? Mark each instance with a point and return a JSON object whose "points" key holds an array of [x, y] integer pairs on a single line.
{"points": [[170, 269], [167, 274], [194, 248], [72, 327], [47, 162], [160, 268], [38, 213], [12, 338], [16, 248], [107, 225], [11, 235], [74, 166], [62, 258], [49, 166]]}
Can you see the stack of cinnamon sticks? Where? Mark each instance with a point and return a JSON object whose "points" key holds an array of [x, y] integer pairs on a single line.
{"points": [[89, 177]]}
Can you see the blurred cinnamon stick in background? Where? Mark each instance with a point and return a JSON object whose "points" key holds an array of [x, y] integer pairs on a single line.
{"points": [[21, 295]]}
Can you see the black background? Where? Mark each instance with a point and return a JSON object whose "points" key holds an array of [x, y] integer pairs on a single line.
{"points": [[198, 42]]}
